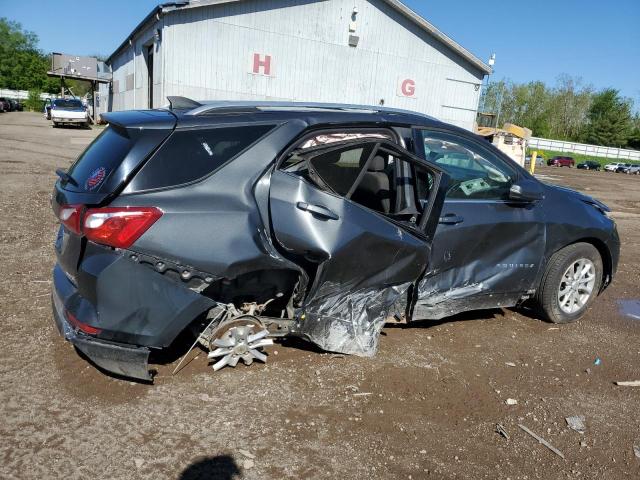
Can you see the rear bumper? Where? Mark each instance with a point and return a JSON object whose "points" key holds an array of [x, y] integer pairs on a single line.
{"points": [[69, 120], [126, 360]]}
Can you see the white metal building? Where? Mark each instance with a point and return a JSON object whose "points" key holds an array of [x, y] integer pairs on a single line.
{"points": [[347, 51]]}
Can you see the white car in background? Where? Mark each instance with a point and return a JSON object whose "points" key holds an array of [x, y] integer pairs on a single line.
{"points": [[69, 111], [612, 167]]}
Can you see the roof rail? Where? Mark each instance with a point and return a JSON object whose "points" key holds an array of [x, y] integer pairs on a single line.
{"points": [[226, 106], [182, 103]]}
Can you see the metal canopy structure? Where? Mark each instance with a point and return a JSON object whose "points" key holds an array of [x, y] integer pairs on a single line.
{"points": [[77, 67]]}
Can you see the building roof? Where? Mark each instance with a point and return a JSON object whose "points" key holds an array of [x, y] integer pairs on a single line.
{"points": [[395, 4]]}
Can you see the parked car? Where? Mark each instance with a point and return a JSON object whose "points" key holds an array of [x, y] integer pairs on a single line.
{"points": [[291, 220], [68, 111], [622, 167], [16, 105], [561, 162], [613, 167], [589, 165], [631, 168], [539, 160], [5, 106]]}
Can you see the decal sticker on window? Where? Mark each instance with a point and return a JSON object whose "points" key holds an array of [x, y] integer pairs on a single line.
{"points": [[95, 179]]}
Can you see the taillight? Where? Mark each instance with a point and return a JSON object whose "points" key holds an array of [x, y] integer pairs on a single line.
{"points": [[70, 216], [118, 226], [81, 326]]}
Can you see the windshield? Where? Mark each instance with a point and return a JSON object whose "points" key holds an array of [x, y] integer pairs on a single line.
{"points": [[68, 103]]}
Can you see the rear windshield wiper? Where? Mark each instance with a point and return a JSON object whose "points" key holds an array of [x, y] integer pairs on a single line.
{"points": [[66, 177]]}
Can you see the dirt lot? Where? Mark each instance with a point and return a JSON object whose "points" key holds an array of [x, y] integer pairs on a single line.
{"points": [[426, 407]]}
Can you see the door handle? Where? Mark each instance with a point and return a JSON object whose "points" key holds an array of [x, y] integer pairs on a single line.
{"points": [[318, 210], [451, 219]]}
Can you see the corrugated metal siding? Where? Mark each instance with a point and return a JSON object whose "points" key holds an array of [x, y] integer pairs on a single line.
{"points": [[208, 53]]}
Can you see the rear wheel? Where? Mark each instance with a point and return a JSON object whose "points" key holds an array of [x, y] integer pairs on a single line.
{"points": [[571, 283]]}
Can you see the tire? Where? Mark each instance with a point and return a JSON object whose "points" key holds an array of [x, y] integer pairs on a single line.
{"points": [[55, 124], [561, 264]]}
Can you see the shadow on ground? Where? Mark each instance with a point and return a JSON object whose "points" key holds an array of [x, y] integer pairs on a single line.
{"points": [[221, 467]]}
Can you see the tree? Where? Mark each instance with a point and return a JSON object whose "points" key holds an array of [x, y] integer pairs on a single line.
{"points": [[610, 121], [22, 65], [634, 139]]}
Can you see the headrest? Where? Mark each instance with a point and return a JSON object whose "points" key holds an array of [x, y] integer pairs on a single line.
{"points": [[378, 164]]}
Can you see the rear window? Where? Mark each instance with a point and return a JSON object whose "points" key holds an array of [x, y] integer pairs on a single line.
{"points": [[190, 155], [99, 160], [68, 103]]}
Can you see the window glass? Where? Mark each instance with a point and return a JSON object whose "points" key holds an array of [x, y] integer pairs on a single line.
{"points": [[189, 155], [326, 139], [474, 173], [339, 169], [100, 159]]}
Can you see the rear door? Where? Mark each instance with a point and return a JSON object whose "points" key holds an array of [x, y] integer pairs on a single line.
{"points": [[341, 212]]}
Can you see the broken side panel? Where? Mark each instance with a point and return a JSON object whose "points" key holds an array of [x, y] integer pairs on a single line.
{"points": [[350, 322], [364, 262]]}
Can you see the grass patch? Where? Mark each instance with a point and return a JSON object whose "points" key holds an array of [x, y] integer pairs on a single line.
{"points": [[579, 157]]}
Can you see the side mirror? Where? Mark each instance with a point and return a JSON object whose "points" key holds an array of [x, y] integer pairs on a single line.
{"points": [[526, 190]]}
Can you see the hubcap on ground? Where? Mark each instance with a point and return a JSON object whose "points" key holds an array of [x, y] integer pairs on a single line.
{"points": [[576, 285], [241, 339]]}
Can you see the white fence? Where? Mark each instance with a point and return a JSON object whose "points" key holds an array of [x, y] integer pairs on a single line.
{"points": [[22, 94], [583, 148]]}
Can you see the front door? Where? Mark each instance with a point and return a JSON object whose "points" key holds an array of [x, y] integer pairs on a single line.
{"points": [[340, 212], [487, 250]]}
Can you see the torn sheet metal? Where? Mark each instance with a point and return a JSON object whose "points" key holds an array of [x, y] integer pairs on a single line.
{"points": [[350, 322]]}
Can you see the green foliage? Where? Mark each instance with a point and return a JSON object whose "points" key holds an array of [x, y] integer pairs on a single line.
{"points": [[22, 65], [610, 121], [34, 103], [567, 111]]}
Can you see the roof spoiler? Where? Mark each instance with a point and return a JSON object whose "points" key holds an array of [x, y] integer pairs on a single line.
{"points": [[182, 103]]}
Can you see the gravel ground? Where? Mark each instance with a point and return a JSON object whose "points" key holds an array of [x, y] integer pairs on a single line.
{"points": [[425, 407]]}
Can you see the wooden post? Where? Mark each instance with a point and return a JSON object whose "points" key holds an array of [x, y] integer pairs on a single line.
{"points": [[532, 167]]}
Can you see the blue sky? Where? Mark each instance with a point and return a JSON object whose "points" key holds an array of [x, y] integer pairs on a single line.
{"points": [[597, 40]]}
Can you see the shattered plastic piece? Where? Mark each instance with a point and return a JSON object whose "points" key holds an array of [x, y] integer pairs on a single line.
{"points": [[500, 429], [247, 454], [576, 423], [350, 322], [636, 450], [597, 362], [510, 364], [542, 441], [511, 401], [635, 383]]}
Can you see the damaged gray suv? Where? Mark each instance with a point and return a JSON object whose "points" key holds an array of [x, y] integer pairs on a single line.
{"points": [[239, 222]]}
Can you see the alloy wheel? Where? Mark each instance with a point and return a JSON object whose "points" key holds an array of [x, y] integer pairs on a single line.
{"points": [[576, 285]]}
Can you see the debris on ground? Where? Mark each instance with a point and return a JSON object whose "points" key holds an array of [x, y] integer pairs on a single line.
{"points": [[510, 364], [247, 454], [248, 464], [598, 362], [542, 441], [139, 462], [635, 383], [511, 401], [576, 423], [500, 429], [636, 450]]}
